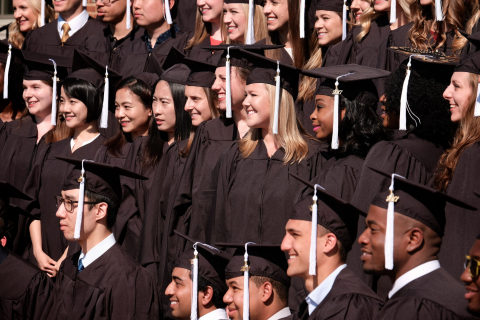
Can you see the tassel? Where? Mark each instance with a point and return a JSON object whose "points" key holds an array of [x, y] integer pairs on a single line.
{"points": [[313, 236], [439, 10], [344, 20], [81, 198], [168, 16], [250, 39], [54, 94], [404, 97], [84, 3], [193, 310], [393, 11], [336, 110], [389, 232], [476, 112], [302, 19], [106, 93], [246, 292], [7, 71], [128, 14], [228, 89], [42, 13], [277, 100]]}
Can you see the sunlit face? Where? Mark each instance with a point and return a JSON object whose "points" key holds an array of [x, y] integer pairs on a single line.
{"points": [[24, 14], [197, 105], [276, 12], [257, 106], [296, 244], [235, 21], [179, 292], [472, 285], [322, 116], [372, 240], [459, 94], [211, 10], [164, 107], [328, 25], [67, 6], [237, 85], [148, 12], [111, 13], [131, 113], [382, 5], [74, 111], [38, 97], [358, 7], [233, 298]]}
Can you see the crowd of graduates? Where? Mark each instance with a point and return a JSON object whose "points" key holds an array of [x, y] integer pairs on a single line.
{"points": [[240, 159]]}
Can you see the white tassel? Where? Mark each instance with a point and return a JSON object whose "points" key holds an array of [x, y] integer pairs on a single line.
{"points": [[404, 97], [246, 292], [302, 19], [42, 13], [393, 11], [389, 232], [344, 20], [277, 100], [228, 88], [128, 13], [84, 3], [106, 93], [81, 198], [312, 270], [54, 94], [194, 305], [168, 16], [7, 71], [336, 110], [250, 39], [438, 10], [476, 112]]}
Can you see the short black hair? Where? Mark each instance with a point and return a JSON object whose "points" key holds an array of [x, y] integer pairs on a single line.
{"points": [[85, 92], [112, 206], [217, 298], [280, 289]]}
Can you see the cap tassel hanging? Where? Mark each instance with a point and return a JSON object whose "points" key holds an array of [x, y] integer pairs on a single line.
{"points": [[476, 112], [312, 270], [336, 110], [302, 19], [393, 11], [344, 20], [54, 94], [277, 100], [7, 71], [193, 310], [404, 97], [106, 93], [84, 3], [246, 292], [250, 39], [439, 10], [81, 196], [168, 15], [388, 250], [128, 18], [228, 89], [42, 13]]}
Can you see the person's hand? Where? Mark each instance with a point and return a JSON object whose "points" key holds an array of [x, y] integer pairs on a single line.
{"points": [[59, 262], [45, 263]]}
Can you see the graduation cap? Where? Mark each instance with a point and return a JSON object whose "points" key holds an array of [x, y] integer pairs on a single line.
{"points": [[250, 37], [260, 260], [331, 212], [413, 200], [89, 69], [339, 6], [99, 178], [149, 78], [208, 262], [202, 74], [173, 70], [348, 80]]}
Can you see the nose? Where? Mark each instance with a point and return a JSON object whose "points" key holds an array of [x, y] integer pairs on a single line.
{"points": [[200, 3], [136, 4], [119, 112], [267, 8], [217, 85], [227, 17], [286, 243], [313, 115], [17, 14], [227, 298], [363, 238], [99, 3], [447, 94], [189, 105], [61, 212], [246, 101], [169, 291], [354, 5], [318, 24]]}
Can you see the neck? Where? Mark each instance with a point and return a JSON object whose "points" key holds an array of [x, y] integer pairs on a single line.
{"points": [[119, 29], [402, 19], [94, 238], [86, 132], [171, 137], [43, 125], [324, 269], [240, 119], [284, 36], [216, 31], [157, 30], [270, 142], [140, 132], [71, 14]]}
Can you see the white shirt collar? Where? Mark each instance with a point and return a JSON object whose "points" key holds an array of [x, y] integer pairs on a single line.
{"points": [[72, 142], [285, 312], [217, 314], [97, 251], [319, 293], [415, 273], [75, 24]]}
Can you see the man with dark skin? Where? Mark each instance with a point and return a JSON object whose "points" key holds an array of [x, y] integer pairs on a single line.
{"points": [[471, 278]]}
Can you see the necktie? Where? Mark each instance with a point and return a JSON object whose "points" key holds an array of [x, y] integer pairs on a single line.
{"points": [[65, 36], [80, 265]]}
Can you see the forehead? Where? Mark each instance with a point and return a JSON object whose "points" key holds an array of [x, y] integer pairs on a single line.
{"points": [[181, 273], [324, 98], [298, 225], [237, 281], [220, 71], [194, 91], [377, 215], [71, 194]]}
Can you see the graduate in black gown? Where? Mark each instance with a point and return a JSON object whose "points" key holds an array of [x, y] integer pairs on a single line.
{"points": [[405, 225], [335, 291]]}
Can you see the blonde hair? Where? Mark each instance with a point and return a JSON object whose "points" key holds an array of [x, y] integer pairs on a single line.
{"points": [[15, 36], [259, 22], [289, 136]]}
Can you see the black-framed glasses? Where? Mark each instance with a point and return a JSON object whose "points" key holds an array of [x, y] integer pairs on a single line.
{"points": [[473, 265], [69, 204]]}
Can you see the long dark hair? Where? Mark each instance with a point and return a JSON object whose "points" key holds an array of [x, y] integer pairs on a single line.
{"points": [[85, 92]]}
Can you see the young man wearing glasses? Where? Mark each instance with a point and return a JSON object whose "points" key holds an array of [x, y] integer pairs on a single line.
{"points": [[471, 278]]}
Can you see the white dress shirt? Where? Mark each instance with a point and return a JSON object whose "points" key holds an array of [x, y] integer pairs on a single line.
{"points": [[413, 274], [217, 314], [75, 24], [285, 312], [72, 142], [97, 251]]}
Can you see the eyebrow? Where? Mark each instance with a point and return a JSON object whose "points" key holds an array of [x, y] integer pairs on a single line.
{"points": [[177, 278], [290, 230]]}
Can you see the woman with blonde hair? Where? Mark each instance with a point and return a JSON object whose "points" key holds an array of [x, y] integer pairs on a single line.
{"points": [[27, 17], [235, 22]]}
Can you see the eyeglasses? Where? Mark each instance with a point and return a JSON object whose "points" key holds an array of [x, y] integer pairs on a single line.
{"points": [[473, 264], [69, 204], [107, 2]]}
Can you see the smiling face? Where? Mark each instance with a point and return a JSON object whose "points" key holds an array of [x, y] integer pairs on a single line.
{"points": [[257, 106], [358, 7], [211, 10], [328, 25], [24, 14], [197, 105], [472, 285], [235, 21], [237, 85], [112, 13], [38, 97], [164, 108], [322, 116], [381, 5], [459, 94], [296, 244], [276, 12], [372, 240], [148, 12], [233, 298], [131, 113], [179, 292], [74, 111]]}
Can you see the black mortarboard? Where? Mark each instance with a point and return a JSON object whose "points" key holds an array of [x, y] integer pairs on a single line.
{"points": [[174, 70], [414, 200], [149, 78], [40, 67], [257, 2], [202, 74], [329, 5], [99, 178]]}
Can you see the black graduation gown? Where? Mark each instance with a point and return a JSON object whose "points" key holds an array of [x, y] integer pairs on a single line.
{"points": [[160, 52], [197, 189], [105, 156], [45, 182], [462, 226], [89, 38], [256, 194], [436, 295], [128, 289], [186, 15], [349, 299]]}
